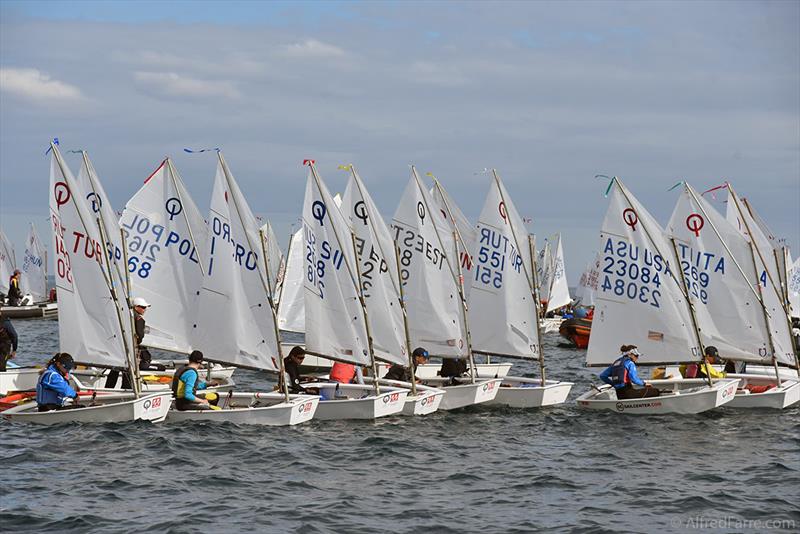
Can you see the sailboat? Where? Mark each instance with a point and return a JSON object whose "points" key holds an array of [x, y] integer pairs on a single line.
{"points": [[96, 324], [504, 308], [337, 320], [166, 238], [33, 283], [740, 309], [642, 302], [236, 321], [378, 263], [433, 293]]}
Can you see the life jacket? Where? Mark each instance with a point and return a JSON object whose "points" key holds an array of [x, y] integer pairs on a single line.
{"points": [[44, 394], [619, 373], [343, 372], [178, 386], [693, 371]]}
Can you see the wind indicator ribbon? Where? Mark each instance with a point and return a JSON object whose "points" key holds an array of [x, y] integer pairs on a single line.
{"points": [[55, 142], [610, 183], [190, 151], [713, 190], [676, 185], [345, 167], [309, 162]]}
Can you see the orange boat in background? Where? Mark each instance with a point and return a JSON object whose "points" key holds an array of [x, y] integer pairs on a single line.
{"points": [[577, 331]]}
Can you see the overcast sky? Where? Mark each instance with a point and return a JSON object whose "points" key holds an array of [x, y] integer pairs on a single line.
{"points": [[550, 94]]}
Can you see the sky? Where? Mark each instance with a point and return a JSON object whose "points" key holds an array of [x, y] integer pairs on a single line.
{"points": [[548, 93]]}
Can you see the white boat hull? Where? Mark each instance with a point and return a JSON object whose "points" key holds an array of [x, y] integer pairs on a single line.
{"points": [[34, 311], [357, 401], [778, 398], [679, 396], [482, 370], [18, 379], [519, 392], [426, 401], [111, 408], [467, 394], [257, 408]]}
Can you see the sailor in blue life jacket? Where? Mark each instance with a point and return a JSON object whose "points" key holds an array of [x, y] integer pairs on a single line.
{"points": [[53, 387], [622, 375], [187, 381]]}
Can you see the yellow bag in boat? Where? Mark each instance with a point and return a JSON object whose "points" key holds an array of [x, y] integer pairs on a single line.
{"points": [[151, 378], [658, 373]]}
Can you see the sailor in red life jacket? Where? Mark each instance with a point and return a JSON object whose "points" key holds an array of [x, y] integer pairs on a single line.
{"points": [[346, 373], [622, 375]]}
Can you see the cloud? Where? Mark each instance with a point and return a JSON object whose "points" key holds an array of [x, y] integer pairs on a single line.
{"points": [[174, 85], [313, 49], [439, 74], [34, 84]]}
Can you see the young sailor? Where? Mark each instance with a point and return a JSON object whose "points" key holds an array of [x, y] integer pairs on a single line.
{"points": [[452, 368], [140, 306], [705, 370], [14, 292], [291, 366], [622, 375], [8, 341], [404, 374], [186, 382], [53, 388]]}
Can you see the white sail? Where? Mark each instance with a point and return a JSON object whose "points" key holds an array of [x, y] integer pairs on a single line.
{"points": [[432, 300], [794, 287], [767, 277], [378, 265], [234, 321], [640, 300], [557, 289], [292, 308], [588, 284], [102, 210], [166, 238], [502, 310], [8, 262], [465, 231], [717, 268], [34, 267], [275, 258], [334, 318], [544, 261], [92, 328]]}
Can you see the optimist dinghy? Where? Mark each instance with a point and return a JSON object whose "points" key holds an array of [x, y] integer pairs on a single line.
{"points": [[687, 396], [237, 297], [96, 327], [645, 301], [504, 305]]}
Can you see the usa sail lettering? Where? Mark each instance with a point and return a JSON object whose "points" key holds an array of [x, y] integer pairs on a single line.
{"points": [[633, 272], [410, 243], [495, 250], [318, 261], [372, 265], [697, 269], [150, 238]]}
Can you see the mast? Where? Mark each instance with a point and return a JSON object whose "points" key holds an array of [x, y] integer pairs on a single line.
{"points": [[538, 304], [356, 283], [458, 280], [274, 307], [132, 361]]}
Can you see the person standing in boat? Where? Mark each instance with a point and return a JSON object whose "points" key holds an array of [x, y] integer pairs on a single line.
{"points": [[622, 376], [8, 341], [186, 382], [404, 374], [140, 306], [53, 387], [14, 292]]}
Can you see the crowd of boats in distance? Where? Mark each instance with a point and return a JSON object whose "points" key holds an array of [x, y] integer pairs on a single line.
{"points": [[365, 292]]}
